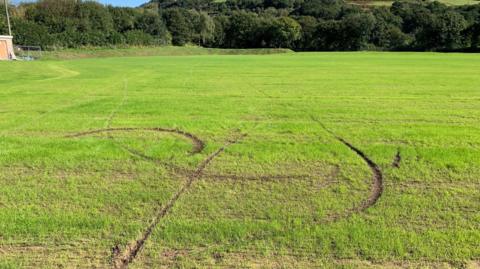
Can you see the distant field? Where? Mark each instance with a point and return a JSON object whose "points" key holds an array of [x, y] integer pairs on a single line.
{"points": [[387, 3], [297, 160], [149, 51]]}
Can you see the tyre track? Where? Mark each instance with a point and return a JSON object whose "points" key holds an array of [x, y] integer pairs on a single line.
{"points": [[198, 147], [397, 160], [376, 188], [114, 112], [121, 261], [198, 144]]}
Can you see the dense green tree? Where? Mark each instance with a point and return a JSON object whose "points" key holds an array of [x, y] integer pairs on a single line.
{"points": [[205, 28], [327, 35], [178, 23], [282, 32], [219, 35], [386, 32], [440, 31], [475, 36], [31, 34], [93, 17], [138, 38], [123, 18], [450, 28], [3, 23], [57, 16], [150, 23], [307, 39], [279, 4], [323, 9], [244, 30], [251, 5], [356, 30], [296, 24]]}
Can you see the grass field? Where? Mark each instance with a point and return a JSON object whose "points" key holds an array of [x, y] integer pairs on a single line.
{"points": [[294, 160], [149, 51]]}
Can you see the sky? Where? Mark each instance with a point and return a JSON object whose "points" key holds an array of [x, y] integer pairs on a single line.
{"points": [[123, 3]]}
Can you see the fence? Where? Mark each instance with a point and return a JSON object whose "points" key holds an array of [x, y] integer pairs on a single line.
{"points": [[28, 53]]}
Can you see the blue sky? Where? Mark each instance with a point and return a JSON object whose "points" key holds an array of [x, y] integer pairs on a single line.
{"points": [[125, 3]]}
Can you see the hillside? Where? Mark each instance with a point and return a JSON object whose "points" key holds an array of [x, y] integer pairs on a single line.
{"points": [[387, 2], [310, 25]]}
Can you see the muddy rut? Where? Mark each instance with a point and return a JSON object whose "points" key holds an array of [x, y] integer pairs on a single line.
{"points": [[198, 144], [397, 160], [376, 188], [122, 260], [122, 257]]}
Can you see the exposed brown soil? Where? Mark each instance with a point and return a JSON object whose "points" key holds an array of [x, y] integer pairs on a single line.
{"points": [[376, 188], [250, 258], [396, 160], [123, 260], [198, 144]]}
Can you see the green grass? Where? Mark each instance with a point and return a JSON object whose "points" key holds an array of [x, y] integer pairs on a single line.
{"points": [[66, 202], [69, 54]]}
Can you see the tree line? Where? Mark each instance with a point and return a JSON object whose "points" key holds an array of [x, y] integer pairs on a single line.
{"points": [[302, 25]]}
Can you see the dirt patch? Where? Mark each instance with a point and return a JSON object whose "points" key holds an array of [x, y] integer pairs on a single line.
{"points": [[124, 259], [252, 258]]}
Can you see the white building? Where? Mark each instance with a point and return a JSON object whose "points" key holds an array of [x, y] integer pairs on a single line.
{"points": [[6, 48]]}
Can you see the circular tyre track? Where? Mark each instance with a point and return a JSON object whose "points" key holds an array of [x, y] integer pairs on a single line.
{"points": [[198, 144], [123, 259]]}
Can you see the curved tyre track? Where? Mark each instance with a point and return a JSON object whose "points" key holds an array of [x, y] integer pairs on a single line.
{"points": [[198, 144], [123, 260], [376, 188], [198, 147]]}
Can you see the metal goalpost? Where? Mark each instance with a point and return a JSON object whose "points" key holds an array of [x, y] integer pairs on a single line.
{"points": [[5, 2]]}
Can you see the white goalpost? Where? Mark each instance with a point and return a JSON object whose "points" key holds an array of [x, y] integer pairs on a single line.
{"points": [[5, 2]]}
